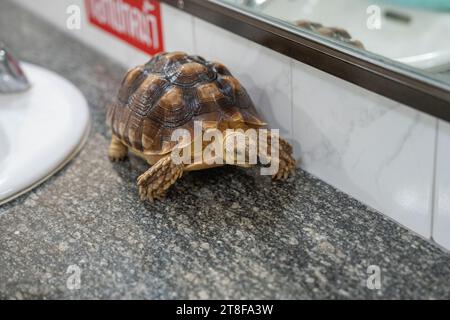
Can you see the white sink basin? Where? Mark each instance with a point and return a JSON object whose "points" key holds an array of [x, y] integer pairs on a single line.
{"points": [[423, 42], [40, 131]]}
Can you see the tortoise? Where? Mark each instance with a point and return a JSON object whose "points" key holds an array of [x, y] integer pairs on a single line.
{"points": [[330, 32], [172, 91]]}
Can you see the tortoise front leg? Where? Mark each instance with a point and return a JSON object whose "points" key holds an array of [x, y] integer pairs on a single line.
{"points": [[286, 163], [117, 150], [155, 181]]}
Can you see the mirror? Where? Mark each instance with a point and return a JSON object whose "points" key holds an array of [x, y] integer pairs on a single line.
{"points": [[410, 34]]}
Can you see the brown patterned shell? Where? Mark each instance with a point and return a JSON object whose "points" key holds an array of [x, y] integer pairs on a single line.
{"points": [[172, 91], [334, 33]]}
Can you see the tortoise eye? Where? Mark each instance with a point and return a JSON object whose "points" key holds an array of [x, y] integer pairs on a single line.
{"points": [[221, 69]]}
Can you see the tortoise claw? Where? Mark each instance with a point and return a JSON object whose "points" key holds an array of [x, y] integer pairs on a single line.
{"points": [[117, 150], [114, 158]]}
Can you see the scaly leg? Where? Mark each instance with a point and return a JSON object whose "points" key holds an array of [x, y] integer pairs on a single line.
{"points": [[285, 160], [117, 150], [286, 166], [155, 181]]}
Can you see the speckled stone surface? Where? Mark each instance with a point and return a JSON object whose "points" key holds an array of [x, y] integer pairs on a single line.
{"points": [[222, 233]]}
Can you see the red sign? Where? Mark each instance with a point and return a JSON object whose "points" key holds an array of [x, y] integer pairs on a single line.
{"points": [[137, 22]]}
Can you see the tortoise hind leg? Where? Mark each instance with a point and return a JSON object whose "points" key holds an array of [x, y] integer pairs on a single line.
{"points": [[117, 150], [154, 183]]}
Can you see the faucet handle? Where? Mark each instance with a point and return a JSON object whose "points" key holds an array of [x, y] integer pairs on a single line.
{"points": [[12, 77]]}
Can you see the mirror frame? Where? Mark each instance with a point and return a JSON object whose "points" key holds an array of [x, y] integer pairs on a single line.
{"points": [[365, 70]]}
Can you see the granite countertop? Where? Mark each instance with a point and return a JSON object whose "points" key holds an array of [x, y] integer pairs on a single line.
{"points": [[221, 233]]}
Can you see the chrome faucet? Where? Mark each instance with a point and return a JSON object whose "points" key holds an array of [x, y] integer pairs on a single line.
{"points": [[12, 77]]}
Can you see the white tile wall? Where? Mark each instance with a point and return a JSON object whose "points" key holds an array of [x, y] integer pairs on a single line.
{"points": [[178, 28], [441, 225], [379, 151], [373, 148], [55, 13]]}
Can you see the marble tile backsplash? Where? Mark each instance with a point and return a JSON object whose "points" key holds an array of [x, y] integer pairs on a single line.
{"points": [[55, 12], [382, 153], [375, 149]]}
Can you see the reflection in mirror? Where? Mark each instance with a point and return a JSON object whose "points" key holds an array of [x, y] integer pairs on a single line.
{"points": [[415, 33]]}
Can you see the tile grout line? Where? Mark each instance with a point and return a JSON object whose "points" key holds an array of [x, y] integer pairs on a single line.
{"points": [[434, 187], [194, 37], [291, 83]]}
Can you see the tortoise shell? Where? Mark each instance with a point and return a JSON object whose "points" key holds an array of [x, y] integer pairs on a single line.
{"points": [[172, 91], [334, 33]]}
